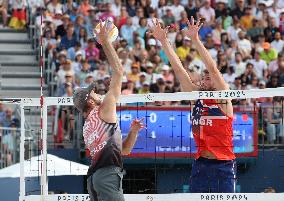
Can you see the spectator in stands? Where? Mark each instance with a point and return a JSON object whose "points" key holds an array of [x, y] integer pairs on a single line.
{"points": [[255, 31], [183, 51], [268, 54], [69, 80], [136, 18], [133, 76], [127, 31], [65, 69], [167, 74], [246, 19], [84, 7], [101, 72], [121, 20], [151, 76], [142, 79], [254, 83], [280, 73], [130, 7], [234, 30], [274, 65], [81, 76], [231, 51], [69, 6], [238, 64], [275, 126], [79, 23], [158, 87], [9, 118], [207, 12], [277, 43], [69, 90], [230, 76], [88, 80], [92, 54], [220, 8], [244, 45], [217, 31], [183, 20], [239, 10], [271, 29], [57, 19], [168, 18], [273, 82], [91, 20], [136, 51], [248, 75], [4, 11], [49, 43], [130, 88], [260, 66], [18, 20], [54, 6], [145, 88], [2, 112], [77, 63], [116, 7], [69, 40], [191, 9], [107, 14], [237, 84], [125, 60], [77, 49]]}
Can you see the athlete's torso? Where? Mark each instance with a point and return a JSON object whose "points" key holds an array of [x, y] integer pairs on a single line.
{"points": [[103, 141], [212, 130]]}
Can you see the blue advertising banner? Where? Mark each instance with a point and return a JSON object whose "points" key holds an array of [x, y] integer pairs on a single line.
{"points": [[169, 131]]}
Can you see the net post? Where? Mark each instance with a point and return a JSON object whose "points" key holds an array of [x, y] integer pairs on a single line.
{"points": [[22, 155], [44, 185]]}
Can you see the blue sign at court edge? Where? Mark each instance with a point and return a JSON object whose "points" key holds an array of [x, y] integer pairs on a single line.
{"points": [[169, 131]]}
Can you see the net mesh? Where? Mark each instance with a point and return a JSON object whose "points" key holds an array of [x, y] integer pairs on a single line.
{"points": [[166, 142]]}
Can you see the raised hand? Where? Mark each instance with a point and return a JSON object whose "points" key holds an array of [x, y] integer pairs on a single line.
{"points": [[137, 125], [104, 34], [157, 31], [193, 28]]}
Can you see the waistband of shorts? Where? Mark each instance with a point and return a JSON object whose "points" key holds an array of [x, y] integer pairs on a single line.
{"points": [[213, 160]]}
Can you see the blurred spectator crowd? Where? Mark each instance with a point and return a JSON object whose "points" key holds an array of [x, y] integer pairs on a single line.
{"points": [[244, 37]]}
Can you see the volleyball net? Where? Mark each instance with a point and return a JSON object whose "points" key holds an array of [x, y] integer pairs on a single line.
{"points": [[53, 122]]}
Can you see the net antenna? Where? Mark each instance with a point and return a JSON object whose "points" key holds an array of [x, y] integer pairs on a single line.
{"points": [[146, 98]]}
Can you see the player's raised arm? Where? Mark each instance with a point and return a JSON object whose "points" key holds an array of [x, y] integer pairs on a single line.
{"points": [[129, 141], [108, 108], [161, 34], [211, 65]]}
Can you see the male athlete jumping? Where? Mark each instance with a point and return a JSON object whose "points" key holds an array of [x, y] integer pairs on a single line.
{"points": [[214, 168], [101, 132]]}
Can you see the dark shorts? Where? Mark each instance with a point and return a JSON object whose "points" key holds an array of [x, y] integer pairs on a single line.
{"points": [[213, 176], [106, 184]]}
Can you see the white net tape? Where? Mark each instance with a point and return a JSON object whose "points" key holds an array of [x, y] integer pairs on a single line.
{"points": [[171, 197], [152, 97]]}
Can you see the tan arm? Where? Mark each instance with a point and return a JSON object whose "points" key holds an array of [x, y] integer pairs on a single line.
{"points": [[108, 108], [129, 142]]}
